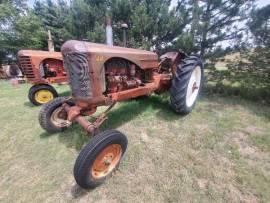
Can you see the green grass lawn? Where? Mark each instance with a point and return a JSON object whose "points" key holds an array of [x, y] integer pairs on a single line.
{"points": [[218, 153]]}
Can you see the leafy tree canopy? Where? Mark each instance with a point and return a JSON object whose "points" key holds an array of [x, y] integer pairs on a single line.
{"points": [[259, 25], [191, 25]]}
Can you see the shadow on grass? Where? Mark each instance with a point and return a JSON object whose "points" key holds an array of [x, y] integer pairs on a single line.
{"points": [[75, 136], [29, 104], [78, 192], [64, 94], [157, 105], [154, 106]]}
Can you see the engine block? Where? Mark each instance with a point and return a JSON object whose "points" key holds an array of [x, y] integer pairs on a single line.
{"points": [[121, 75]]}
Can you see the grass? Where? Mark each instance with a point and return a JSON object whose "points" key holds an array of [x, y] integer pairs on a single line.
{"points": [[218, 153]]}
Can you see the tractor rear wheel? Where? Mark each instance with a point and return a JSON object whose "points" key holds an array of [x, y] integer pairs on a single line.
{"points": [[99, 158], [186, 84], [53, 117], [41, 94]]}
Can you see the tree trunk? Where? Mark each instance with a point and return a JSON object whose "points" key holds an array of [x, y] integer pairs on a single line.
{"points": [[195, 19], [205, 20]]}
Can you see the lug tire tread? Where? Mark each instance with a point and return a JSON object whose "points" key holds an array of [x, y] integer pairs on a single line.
{"points": [[89, 153], [180, 82], [46, 112]]}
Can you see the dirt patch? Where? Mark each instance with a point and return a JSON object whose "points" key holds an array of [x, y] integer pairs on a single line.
{"points": [[202, 183], [203, 127], [240, 139], [246, 149], [145, 137], [251, 130], [238, 196]]}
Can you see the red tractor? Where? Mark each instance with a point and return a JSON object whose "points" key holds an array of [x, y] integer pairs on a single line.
{"points": [[103, 75], [42, 68]]}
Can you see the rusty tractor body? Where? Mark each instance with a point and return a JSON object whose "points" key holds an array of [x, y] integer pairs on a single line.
{"points": [[41, 69], [103, 75]]}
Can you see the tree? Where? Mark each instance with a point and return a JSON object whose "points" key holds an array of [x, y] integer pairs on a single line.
{"points": [[190, 25], [259, 25], [19, 28], [218, 21], [28, 33], [89, 19], [55, 17], [152, 24], [81, 19]]}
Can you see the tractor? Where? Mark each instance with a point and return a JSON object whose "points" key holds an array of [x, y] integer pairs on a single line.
{"points": [[102, 75], [42, 68]]}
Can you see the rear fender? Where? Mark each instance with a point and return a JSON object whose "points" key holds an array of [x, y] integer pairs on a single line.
{"points": [[170, 60]]}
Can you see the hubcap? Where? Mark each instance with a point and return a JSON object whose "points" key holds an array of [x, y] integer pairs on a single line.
{"points": [[106, 161], [193, 86], [59, 118], [43, 96]]}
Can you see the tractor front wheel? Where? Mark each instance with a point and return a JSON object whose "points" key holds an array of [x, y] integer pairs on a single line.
{"points": [[186, 84], [53, 117], [99, 158], [41, 94]]}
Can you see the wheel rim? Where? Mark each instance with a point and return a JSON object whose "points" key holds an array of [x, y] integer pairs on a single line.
{"points": [[193, 86], [59, 118], [43, 96], [106, 161]]}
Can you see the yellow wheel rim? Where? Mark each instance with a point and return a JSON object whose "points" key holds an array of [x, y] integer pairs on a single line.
{"points": [[43, 96]]}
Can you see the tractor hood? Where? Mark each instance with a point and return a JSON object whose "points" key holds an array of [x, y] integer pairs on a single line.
{"points": [[41, 54], [81, 46], [85, 62], [102, 52]]}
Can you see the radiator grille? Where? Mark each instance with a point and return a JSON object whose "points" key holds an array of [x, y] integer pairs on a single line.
{"points": [[26, 65], [76, 65]]}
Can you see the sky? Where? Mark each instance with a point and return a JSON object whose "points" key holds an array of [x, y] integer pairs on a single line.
{"points": [[263, 3], [260, 3]]}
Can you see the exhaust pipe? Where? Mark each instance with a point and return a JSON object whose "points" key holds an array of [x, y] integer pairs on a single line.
{"points": [[109, 32], [124, 27], [50, 42]]}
